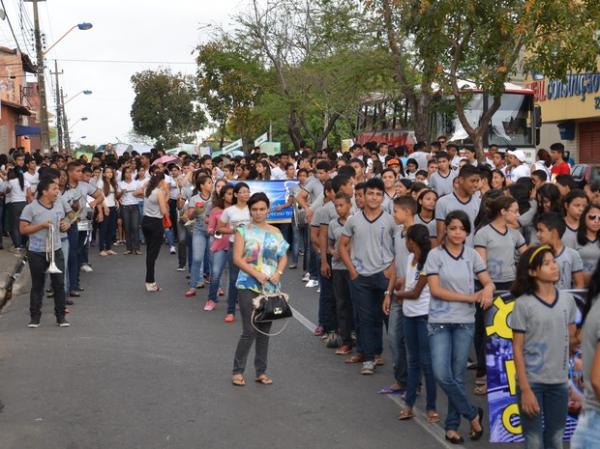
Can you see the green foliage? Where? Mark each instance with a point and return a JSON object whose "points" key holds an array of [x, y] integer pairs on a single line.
{"points": [[164, 107]]}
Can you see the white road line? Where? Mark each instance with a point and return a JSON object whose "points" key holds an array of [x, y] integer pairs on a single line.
{"points": [[435, 430]]}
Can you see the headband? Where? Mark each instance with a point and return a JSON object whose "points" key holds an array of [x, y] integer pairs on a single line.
{"points": [[537, 251]]}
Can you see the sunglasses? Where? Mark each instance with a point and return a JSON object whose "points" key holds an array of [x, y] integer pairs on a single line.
{"points": [[594, 217]]}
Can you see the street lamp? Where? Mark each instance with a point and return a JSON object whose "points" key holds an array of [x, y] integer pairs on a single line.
{"points": [[82, 119], [84, 92], [84, 26]]}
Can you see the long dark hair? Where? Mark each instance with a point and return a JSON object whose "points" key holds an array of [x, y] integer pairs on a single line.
{"points": [[422, 196], [419, 234], [220, 197], [582, 238], [15, 173], [531, 259], [593, 291], [550, 192], [484, 217], [106, 184], [155, 180]]}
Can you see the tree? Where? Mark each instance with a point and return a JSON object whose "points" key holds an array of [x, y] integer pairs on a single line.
{"points": [[488, 41], [164, 107], [229, 84]]}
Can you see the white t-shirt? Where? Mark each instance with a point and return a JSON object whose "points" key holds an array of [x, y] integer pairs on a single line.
{"points": [[128, 188], [33, 180], [520, 171], [235, 217], [17, 194], [277, 173], [421, 157], [415, 307], [109, 199]]}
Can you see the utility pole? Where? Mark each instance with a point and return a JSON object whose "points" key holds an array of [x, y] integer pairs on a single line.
{"points": [[65, 124], [59, 127], [45, 133]]}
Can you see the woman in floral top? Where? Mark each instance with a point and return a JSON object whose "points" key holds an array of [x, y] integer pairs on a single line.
{"points": [[259, 250]]}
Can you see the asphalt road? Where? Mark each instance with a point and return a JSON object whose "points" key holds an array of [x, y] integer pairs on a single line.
{"points": [[142, 370]]}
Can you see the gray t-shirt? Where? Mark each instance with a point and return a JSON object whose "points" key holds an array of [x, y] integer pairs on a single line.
{"points": [[314, 187], [546, 329], [401, 251], [590, 337], [388, 203], [449, 203], [151, 205], [456, 274], [431, 225], [36, 213], [442, 185], [236, 217], [590, 254], [569, 238], [526, 219], [500, 251], [334, 231], [372, 249], [201, 212], [328, 213], [569, 263]]}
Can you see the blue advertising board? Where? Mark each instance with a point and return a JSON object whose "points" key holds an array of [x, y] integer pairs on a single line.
{"points": [[504, 418], [278, 192]]}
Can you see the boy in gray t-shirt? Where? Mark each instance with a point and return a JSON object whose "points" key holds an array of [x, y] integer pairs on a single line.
{"points": [[590, 337]]}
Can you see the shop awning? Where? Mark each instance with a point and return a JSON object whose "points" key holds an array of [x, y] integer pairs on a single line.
{"points": [[27, 130]]}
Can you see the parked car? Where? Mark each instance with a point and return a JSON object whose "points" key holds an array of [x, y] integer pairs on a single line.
{"points": [[585, 174]]}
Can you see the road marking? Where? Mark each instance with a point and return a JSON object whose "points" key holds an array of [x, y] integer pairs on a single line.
{"points": [[435, 430]]}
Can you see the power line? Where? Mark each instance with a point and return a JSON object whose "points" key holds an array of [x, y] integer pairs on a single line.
{"points": [[11, 27], [115, 61]]}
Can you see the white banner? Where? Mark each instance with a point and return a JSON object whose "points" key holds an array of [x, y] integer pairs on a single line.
{"points": [[232, 146], [261, 139]]}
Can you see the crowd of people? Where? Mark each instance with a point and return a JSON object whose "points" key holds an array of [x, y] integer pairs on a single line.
{"points": [[414, 243]]}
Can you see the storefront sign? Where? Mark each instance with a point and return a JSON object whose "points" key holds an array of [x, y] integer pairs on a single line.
{"points": [[576, 85], [504, 417]]}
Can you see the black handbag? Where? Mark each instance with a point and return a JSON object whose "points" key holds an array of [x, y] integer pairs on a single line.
{"points": [[269, 307]]}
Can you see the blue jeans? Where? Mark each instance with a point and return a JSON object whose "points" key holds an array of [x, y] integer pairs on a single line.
{"points": [[73, 262], [297, 242], [397, 342], [232, 291], [199, 246], [327, 313], [170, 237], [419, 360], [546, 430], [107, 229], [587, 435], [141, 233], [367, 294], [219, 260], [449, 344]]}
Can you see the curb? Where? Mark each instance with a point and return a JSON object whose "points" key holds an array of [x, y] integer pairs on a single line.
{"points": [[9, 277]]}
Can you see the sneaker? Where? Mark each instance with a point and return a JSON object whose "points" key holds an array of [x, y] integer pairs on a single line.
{"points": [[319, 290], [138, 252], [306, 277], [333, 340], [368, 368], [229, 318], [126, 253], [319, 331], [180, 268], [103, 253], [312, 283], [62, 322], [209, 306], [34, 323], [111, 252], [152, 287], [191, 292], [87, 268], [172, 250], [344, 350]]}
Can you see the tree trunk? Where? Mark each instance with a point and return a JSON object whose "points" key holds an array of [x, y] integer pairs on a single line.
{"points": [[294, 130]]}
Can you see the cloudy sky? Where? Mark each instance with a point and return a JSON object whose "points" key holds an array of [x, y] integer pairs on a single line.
{"points": [[124, 30]]}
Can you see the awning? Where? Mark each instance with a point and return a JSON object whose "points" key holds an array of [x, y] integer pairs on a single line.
{"points": [[27, 130], [22, 110]]}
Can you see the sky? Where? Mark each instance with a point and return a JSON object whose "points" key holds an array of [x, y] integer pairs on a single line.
{"points": [[123, 30]]}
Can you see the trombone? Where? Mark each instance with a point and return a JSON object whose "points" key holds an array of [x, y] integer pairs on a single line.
{"points": [[52, 268]]}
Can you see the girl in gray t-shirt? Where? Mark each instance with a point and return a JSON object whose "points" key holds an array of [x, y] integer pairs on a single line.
{"points": [[543, 324], [588, 240]]}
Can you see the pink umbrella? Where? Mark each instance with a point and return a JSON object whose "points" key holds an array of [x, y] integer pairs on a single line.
{"points": [[164, 160]]}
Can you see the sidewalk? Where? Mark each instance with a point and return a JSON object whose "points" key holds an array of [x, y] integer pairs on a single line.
{"points": [[10, 264]]}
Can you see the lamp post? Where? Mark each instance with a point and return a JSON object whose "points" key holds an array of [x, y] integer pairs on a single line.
{"points": [[82, 119], [44, 131], [84, 92], [64, 114]]}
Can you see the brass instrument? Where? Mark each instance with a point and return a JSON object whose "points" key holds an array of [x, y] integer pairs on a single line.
{"points": [[52, 268]]}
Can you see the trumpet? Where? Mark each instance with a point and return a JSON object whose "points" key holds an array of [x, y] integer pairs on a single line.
{"points": [[52, 268]]}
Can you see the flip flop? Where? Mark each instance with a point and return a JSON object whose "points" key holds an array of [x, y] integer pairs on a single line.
{"points": [[390, 390], [264, 379], [433, 417], [405, 414], [238, 380]]}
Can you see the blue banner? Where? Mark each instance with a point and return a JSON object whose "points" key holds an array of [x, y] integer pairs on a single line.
{"points": [[278, 192], [504, 417]]}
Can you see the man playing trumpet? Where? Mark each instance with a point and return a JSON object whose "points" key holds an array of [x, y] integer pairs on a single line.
{"points": [[41, 220]]}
